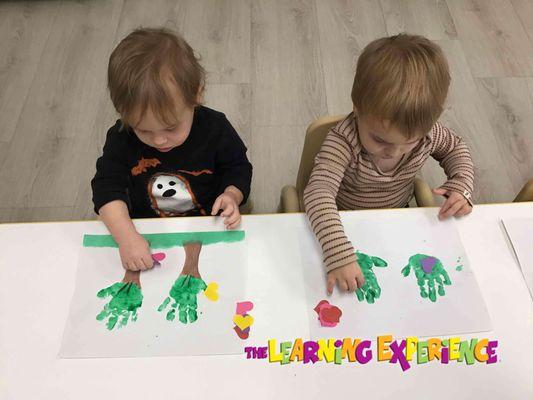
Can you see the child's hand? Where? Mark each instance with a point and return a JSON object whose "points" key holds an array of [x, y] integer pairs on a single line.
{"points": [[455, 205], [349, 278], [229, 202], [135, 253], [183, 297]]}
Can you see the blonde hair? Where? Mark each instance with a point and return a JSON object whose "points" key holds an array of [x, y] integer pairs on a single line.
{"points": [[404, 80], [140, 67]]}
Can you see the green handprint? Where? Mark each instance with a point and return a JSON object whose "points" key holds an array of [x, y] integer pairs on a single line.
{"points": [[370, 290], [184, 292], [428, 271], [126, 299]]}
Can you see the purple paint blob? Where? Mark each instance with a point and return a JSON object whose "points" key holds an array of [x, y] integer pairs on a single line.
{"points": [[428, 263], [338, 343]]}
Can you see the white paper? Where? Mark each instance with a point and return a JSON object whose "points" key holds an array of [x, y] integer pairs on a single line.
{"points": [[152, 334], [520, 232], [275, 285], [400, 310]]}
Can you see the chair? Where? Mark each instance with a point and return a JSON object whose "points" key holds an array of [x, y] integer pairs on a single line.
{"points": [[526, 194], [291, 199]]}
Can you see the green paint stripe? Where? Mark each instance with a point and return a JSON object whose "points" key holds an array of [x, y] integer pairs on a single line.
{"points": [[168, 240]]}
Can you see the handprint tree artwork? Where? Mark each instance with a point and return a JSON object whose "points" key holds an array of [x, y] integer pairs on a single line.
{"points": [[173, 308], [126, 296]]}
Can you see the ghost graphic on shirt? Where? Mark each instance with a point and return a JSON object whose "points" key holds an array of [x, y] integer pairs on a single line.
{"points": [[171, 195]]}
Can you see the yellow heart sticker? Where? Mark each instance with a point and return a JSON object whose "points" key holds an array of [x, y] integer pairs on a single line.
{"points": [[211, 291], [243, 322]]}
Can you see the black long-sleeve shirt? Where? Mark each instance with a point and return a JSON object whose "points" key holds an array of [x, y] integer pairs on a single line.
{"points": [[184, 181]]}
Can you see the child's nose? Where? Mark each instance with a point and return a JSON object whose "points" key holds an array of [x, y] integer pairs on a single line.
{"points": [[160, 139], [393, 151]]}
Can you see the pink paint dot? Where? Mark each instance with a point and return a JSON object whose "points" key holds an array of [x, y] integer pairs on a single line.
{"points": [[158, 256]]}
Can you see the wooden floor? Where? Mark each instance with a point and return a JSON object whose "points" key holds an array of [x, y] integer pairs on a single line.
{"points": [[273, 67]]}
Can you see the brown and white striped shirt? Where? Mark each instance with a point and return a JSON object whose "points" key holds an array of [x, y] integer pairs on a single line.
{"points": [[345, 178]]}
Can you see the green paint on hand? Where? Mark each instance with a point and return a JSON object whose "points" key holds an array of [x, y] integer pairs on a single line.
{"points": [[169, 240], [371, 290], [183, 296], [126, 299], [428, 271]]}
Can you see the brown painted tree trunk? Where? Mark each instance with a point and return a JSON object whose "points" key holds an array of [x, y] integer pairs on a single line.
{"points": [[133, 277], [192, 256]]}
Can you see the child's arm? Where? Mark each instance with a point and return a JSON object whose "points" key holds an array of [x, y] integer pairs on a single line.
{"points": [[110, 199], [453, 155], [321, 208], [236, 172], [112, 172], [133, 248]]}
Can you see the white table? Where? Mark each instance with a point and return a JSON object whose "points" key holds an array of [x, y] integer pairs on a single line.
{"points": [[37, 274]]}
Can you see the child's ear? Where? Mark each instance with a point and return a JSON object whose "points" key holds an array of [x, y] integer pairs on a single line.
{"points": [[200, 95], [355, 110]]}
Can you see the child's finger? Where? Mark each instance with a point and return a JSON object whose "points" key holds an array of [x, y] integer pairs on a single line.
{"points": [[453, 209], [462, 211], [233, 226], [216, 206], [352, 285], [343, 285], [139, 264], [232, 219], [447, 205], [131, 266], [331, 284], [228, 210], [360, 281], [148, 262]]}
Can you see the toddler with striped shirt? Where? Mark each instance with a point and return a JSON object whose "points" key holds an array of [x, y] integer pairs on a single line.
{"points": [[370, 158]]}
